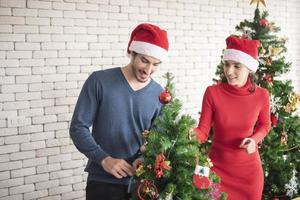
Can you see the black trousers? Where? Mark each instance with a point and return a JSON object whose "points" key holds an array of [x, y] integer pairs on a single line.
{"points": [[106, 191]]}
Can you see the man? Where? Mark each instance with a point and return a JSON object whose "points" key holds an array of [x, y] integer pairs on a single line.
{"points": [[119, 104]]}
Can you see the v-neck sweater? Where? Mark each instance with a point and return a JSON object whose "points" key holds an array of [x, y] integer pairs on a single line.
{"points": [[118, 116], [235, 113]]}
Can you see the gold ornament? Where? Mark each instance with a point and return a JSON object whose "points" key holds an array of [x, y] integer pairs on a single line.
{"points": [[284, 138], [257, 2], [275, 51], [209, 163], [293, 104]]}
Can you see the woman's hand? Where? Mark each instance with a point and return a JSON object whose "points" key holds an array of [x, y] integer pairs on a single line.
{"points": [[119, 168], [249, 145]]}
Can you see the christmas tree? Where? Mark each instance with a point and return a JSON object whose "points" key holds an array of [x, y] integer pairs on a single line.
{"points": [[173, 167], [280, 150]]}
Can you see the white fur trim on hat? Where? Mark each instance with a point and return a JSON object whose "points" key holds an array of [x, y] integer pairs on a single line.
{"points": [[241, 57], [148, 49]]}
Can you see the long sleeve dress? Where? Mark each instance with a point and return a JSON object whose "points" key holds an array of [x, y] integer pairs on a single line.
{"points": [[235, 113]]}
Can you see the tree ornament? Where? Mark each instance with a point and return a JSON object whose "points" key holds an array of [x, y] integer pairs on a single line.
{"points": [[274, 119], [215, 192], [284, 138], [143, 148], [268, 78], [263, 22], [275, 51], [268, 61], [146, 190], [165, 97], [201, 177], [257, 2], [160, 165], [293, 104]]}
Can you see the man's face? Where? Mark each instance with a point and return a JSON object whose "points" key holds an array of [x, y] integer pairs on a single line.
{"points": [[236, 73], [143, 66]]}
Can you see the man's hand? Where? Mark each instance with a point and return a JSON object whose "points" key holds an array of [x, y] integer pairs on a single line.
{"points": [[119, 168], [249, 145]]}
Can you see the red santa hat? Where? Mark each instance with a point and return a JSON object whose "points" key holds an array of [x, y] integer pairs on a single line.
{"points": [[242, 50], [149, 40]]}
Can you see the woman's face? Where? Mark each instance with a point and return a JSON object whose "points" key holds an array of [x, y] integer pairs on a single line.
{"points": [[236, 73]]}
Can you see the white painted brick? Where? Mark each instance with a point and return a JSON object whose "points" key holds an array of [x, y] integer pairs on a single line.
{"points": [[5, 11], [56, 126], [18, 71], [54, 77], [61, 174], [38, 38], [28, 96], [9, 63], [1, 141], [10, 165], [75, 30], [73, 195], [69, 149], [50, 13], [7, 114], [6, 45], [30, 129], [72, 164], [3, 123], [48, 168], [13, 197], [44, 119], [27, 46], [66, 85], [70, 180], [86, 38], [32, 145], [3, 192], [47, 184], [77, 46], [53, 94], [79, 186], [23, 172], [18, 121], [29, 79], [18, 54], [42, 103], [63, 6], [69, 53], [7, 97], [9, 148], [11, 182], [79, 171], [109, 8], [100, 46], [57, 197], [6, 28], [47, 152], [34, 162], [80, 61], [36, 178], [74, 14], [58, 142], [53, 45], [36, 194], [51, 29], [12, 37], [11, 20], [24, 12], [62, 22], [59, 158], [56, 110], [65, 101], [16, 105], [86, 6], [21, 189], [38, 4], [22, 155], [56, 61], [60, 189], [96, 15], [31, 112], [8, 131], [37, 21], [66, 116], [6, 175], [17, 139], [64, 38], [44, 70], [73, 92]]}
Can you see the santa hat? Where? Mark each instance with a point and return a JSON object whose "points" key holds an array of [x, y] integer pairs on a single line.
{"points": [[242, 50], [149, 40]]}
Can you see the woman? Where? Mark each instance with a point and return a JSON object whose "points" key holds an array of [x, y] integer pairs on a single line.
{"points": [[240, 114]]}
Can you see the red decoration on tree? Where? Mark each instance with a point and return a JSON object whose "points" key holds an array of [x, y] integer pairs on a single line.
{"points": [[160, 165], [146, 190], [165, 97], [268, 78], [274, 119], [201, 182], [263, 22]]}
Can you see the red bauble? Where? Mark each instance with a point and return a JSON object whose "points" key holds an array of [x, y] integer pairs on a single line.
{"points": [[201, 182], [165, 97], [268, 78], [263, 22], [274, 119]]}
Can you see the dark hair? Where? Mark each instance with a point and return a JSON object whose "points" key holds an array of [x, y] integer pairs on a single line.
{"points": [[252, 78]]}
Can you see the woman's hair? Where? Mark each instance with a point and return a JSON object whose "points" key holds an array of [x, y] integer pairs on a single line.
{"points": [[252, 78]]}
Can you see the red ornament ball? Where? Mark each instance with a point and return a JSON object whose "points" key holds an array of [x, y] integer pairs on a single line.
{"points": [[165, 97], [274, 119], [263, 22], [201, 182]]}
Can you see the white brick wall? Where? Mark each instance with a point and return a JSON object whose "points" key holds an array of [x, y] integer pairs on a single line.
{"points": [[48, 48]]}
